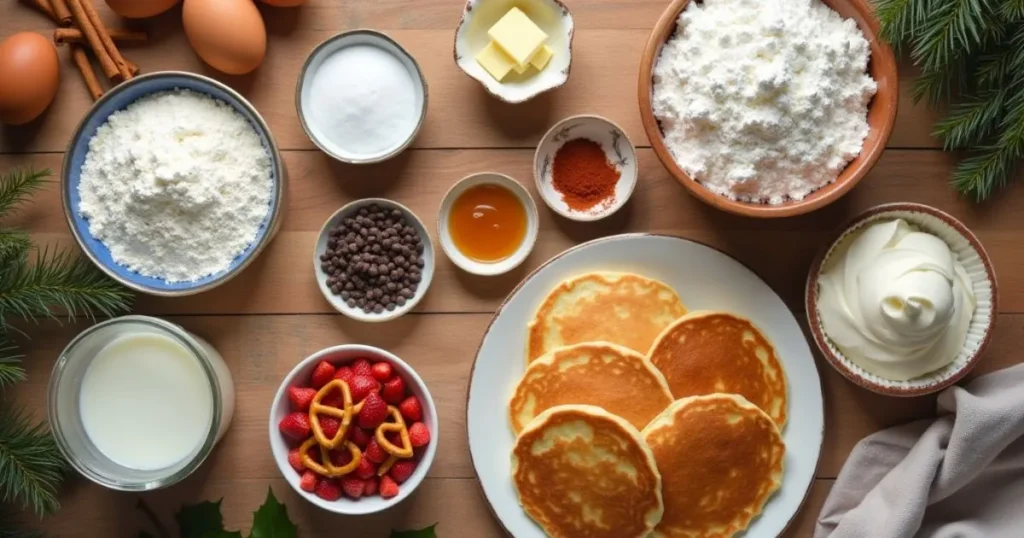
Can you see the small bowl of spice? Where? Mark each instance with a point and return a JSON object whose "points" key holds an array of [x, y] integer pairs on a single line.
{"points": [[374, 260], [488, 224], [585, 168]]}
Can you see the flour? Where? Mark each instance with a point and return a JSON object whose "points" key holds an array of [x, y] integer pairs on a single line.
{"points": [[763, 100], [176, 185]]}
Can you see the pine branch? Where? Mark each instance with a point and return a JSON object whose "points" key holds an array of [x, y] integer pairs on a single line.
{"points": [[14, 247], [980, 175], [972, 121], [18, 185], [31, 465], [898, 17], [954, 28], [10, 363], [1012, 10], [57, 283]]}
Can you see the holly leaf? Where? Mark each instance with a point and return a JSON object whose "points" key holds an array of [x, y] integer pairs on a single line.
{"points": [[202, 520], [422, 533], [271, 520]]}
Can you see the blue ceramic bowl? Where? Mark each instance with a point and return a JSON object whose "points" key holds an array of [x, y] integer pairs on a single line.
{"points": [[119, 98]]}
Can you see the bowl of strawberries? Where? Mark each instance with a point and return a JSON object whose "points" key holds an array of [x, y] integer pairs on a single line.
{"points": [[353, 429]]}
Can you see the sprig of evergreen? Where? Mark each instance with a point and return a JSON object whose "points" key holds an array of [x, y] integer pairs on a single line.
{"points": [[971, 55], [31, 465]]}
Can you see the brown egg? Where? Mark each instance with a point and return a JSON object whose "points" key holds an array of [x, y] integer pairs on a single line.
{"points": [[283, 3], [227, 34], [29, 77], [140, 9]]}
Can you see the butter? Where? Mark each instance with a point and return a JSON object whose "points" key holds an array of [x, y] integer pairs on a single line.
{"points": [[541, 59], [518, 36], [520, 69], [495, 61]]}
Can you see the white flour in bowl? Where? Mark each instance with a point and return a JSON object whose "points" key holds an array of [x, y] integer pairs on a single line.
{"points": [[176, 185], [763, 100]]}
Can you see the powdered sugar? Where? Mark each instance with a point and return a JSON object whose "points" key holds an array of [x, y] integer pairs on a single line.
{"points": [[763, 100], [176, 185]]}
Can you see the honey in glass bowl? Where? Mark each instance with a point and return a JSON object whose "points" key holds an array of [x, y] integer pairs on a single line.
{"points": [[487, 223]]}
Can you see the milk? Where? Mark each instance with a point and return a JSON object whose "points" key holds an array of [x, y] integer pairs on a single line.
{"points": [[146, 402]]}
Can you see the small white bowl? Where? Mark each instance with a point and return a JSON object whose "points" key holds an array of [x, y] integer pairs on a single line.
{"points": [[617, 147], [552, 16], [316, 59], [321, 247], [339, 355], [975, 260], [488, 268]]}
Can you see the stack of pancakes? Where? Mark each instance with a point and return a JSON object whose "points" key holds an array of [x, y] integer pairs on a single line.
{"points": [[635, 418]]}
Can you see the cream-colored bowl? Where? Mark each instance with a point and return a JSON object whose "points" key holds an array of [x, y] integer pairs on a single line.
{"points": [[978, 266], [552, 16]]}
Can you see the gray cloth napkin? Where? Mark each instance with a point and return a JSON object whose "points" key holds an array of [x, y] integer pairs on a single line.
{"points": [[961, 475]]}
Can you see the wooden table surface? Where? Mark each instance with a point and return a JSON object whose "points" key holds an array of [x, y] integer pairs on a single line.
{"points": [[273, 315]]}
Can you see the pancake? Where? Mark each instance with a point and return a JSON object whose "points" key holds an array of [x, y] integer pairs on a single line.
{"points": [[720, 458], [620, 308], [710, 352], [581, 471], [612, 377]]}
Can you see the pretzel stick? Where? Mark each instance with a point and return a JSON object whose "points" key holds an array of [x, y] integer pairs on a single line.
{"points": [[123, 73], [44, 6], [63, 36], [88, 73], [61, 12], [110, 68]]}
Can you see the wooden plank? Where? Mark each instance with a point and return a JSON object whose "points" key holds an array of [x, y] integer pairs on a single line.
{"points": [[282, 280], [609, 42]]}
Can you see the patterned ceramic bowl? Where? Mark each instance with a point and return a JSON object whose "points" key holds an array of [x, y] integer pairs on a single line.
{"points": [[979, 268]]}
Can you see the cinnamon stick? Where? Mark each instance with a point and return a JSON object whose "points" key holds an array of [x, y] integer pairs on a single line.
{"points": [[132, 67], [101, 29], [43, 6], [92, 36], [62, 36], [88, 73], [61, 12]]}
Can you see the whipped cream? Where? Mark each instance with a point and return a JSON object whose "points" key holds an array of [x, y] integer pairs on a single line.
{"points": [[896, 301]]}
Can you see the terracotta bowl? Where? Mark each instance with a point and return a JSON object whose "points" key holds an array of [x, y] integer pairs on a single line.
{"points": [[976, 262], [881, 116]]}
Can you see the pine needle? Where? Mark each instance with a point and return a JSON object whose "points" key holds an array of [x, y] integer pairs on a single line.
{"points": [[18, 185], [31, 465], [14, 247], [1012, 10], [970, 122], [10, 363]]}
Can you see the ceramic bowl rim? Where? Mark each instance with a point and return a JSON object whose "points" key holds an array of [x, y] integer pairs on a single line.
{"points": [[814, 318], [421, 290], [277, 203], [520, 255], [619, 203], [317, 51], [664, 29], [430, 411], [568, 70]]}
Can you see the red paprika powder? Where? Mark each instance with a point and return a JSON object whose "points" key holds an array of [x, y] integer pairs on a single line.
{"points": [[583, 176]]}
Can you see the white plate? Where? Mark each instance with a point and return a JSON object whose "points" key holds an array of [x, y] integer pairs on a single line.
{"points": [[705, 279]]}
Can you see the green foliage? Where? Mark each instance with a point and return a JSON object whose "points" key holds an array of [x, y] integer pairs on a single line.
{"points": [[17, 186], [422, 533], [271, 520], [202, 520], [31, 465], [971, 55]]}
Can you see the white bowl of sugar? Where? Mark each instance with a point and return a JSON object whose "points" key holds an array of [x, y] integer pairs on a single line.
{"points": [[361, 97]]}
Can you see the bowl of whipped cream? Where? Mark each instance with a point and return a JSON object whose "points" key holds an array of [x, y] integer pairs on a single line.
{"points": [[903, 302]]}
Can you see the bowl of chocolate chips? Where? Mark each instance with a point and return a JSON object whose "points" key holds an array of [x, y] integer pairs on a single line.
{"points": [[374, 260]]}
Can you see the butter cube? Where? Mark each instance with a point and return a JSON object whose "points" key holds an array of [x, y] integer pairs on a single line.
{"points": [[495, 61], [541, 59], [521, 68], [518, 36]]}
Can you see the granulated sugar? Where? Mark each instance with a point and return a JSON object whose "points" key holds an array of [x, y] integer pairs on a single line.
{"points": [[176, 185]]}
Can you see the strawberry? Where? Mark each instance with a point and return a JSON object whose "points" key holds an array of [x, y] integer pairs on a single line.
{"points": [[340, 458], [361, 386], [333, 399], [374, 413], [345, 374], [388, 488], [362, 367], [308, 481], [360, 437], [394, 390], [374, 452], [327, 489], [366, 469], [411, 409], [402, 470], [301, 397], [418, 452], [419, 434], [330, 426], [370, 486], [352, 486], [295, 460], [295, 425], [381, 371], [322, 374]]}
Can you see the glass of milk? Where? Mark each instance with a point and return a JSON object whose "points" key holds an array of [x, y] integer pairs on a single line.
{"points": [[137, 403]]}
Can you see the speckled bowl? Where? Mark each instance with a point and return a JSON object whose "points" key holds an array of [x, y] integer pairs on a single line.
{"points": [[552, 16], [974, 259]]}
